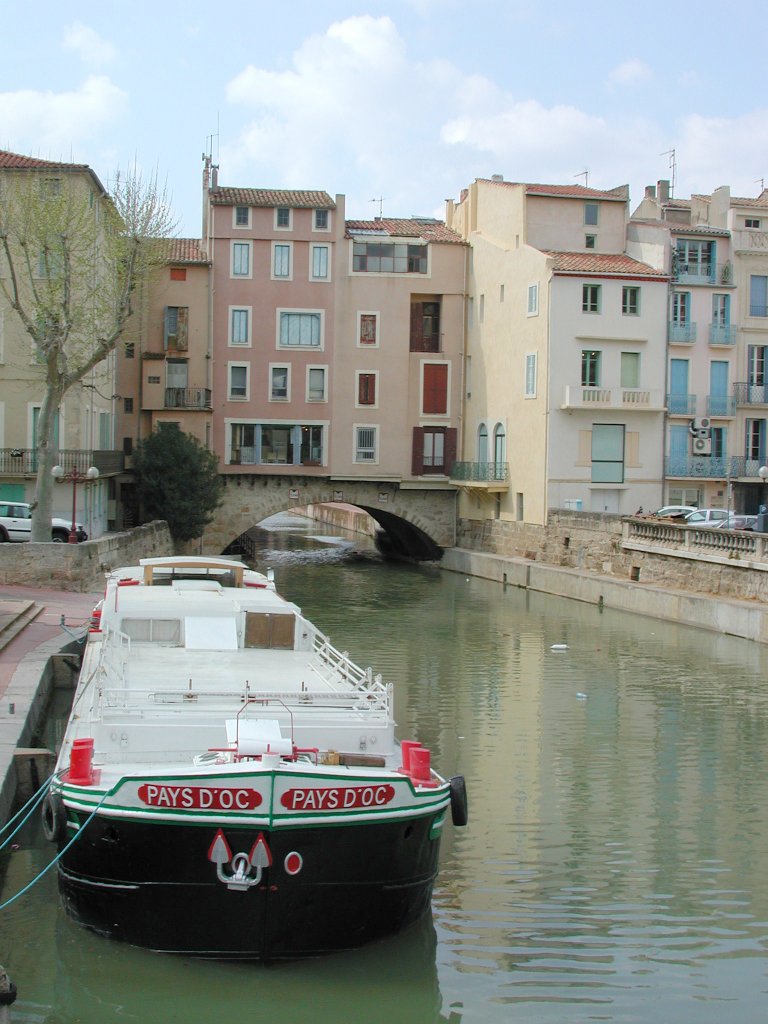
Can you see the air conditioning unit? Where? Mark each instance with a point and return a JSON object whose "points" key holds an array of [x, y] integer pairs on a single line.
{"points": [[702, 423], [701, 445]]}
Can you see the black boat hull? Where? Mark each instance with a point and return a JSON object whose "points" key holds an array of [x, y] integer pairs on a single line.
{"points": [[327, 889]]}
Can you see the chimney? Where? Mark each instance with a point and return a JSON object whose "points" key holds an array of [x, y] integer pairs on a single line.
{"points": [[650, 191], [663, 187], [497, 177], [214, 177]]}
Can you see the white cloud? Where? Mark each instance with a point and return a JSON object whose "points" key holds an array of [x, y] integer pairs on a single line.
{"points": [[352, 112], [711, 148], [631, 72], [89, 45], [45, 123]]}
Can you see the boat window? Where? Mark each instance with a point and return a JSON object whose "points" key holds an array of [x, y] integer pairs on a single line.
{"points": [[269, 629], [158, 631]]}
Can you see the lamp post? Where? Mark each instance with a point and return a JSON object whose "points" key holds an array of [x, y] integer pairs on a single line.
{"points": [[762, 518], [75, 477]]}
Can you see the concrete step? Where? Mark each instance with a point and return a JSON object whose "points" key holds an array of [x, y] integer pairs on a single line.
{"points": [[14, 617]]}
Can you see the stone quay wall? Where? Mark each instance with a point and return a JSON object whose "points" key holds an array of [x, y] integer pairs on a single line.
{"points": [[634, 550], [81, 567]]}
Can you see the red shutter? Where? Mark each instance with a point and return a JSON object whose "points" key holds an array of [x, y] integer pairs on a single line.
{"points": [[417, 456], [417, 326], [451, 436], [435, 399], [366, 389]]}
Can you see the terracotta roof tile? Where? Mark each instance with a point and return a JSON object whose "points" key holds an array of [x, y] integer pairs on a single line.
{"points": [[269, 197], [15, 161], [186, 250], [405, 227], [761, 200], [601, 263], [563, 191]]}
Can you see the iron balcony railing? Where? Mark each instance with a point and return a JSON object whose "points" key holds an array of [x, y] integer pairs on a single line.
{"points": [[721, 405], [681, 405], [723, 334], [718, 467], [702, 273], [480, 472], [187, 398], [757, 309], [750, 394], [24, 461], [681, 333]]}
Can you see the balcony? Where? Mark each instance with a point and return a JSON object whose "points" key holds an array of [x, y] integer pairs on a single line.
{"points": [[681, 334], [702, 273], [24, 461], [681, 405], [723, 334], [750, 394], [721, 405], [487, 476], [187, 398], [698, 466], [757, 310], [578, 396]]}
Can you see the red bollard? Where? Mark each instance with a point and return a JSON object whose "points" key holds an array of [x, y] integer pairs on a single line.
{"points": [[81, 762]]}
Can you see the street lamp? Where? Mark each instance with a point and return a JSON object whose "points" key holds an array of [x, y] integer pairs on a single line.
{"points": [[75, 477]]}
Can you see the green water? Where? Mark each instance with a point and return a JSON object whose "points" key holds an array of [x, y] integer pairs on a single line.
{"points": [[615, 867]]}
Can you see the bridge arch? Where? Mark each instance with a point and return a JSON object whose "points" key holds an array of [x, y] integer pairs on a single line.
{"points": [[416, 522]]}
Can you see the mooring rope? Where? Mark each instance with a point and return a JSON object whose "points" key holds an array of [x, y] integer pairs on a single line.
{"points": [[57, 858], [32, 803]]}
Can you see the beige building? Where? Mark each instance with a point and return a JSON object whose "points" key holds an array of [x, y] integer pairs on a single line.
{"points": [[565, 354], [715, 248], [86, 419]]}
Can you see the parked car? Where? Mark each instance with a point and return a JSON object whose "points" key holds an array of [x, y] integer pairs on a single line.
{"points": [[674, 511], [707, 517], [16, 524], [738, 522]]}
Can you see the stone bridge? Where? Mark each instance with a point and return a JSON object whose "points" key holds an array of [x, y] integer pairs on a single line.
{"points": [[417, 522]]}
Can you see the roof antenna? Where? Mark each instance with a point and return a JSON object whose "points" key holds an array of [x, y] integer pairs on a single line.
{"points": [[585, 175], [762, 184], [673, 165], [380, 201]]}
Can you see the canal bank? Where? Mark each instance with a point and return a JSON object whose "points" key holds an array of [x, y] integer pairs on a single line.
{"points": [[745, 619]]}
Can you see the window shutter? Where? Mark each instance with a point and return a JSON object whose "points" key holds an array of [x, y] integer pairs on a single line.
{"points": [[451, 436], [182, 328], [435, 398], [417, 457], [417, 325]]}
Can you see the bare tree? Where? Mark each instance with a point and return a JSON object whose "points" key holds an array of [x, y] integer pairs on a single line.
{"points": [[71, 259]]}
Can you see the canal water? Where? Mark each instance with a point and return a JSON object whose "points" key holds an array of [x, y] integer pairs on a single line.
{"points": [[615, 866]]}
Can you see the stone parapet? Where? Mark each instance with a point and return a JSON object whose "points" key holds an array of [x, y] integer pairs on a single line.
{"points": [[81, 567]]}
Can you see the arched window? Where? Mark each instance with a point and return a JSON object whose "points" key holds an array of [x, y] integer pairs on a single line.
{"points": [[499, 452], [482, 443]]}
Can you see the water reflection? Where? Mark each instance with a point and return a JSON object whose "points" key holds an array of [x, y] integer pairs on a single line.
{"points": [[614, 867]]}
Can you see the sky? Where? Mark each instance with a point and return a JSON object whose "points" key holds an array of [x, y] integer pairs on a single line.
{"points": [[396, 105]]}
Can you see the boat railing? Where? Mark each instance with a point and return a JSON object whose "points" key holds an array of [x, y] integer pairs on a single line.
{"points": [[322, 703], [334, 664]]}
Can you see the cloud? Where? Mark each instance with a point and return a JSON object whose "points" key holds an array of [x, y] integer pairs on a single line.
{"points": [[631, 72], [713, 151], [88, 44], [353, 112], [45, 123]]}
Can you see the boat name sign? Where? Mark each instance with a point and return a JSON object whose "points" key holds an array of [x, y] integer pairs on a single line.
{"points": [[200, 797], [337, 798]]}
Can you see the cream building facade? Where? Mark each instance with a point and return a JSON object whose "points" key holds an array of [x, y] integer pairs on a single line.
{"points": [[565, 354]]}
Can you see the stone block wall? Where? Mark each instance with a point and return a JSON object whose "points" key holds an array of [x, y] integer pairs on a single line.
{"points": [[592, 542], [81, 567]]}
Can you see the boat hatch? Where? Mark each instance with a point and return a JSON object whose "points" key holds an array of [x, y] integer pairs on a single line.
{"points": [[270, 630], [210, 633]]}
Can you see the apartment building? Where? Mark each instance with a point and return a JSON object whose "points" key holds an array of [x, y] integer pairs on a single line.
{"points": [[85, 422], [165, 361], [715, 248], [565, 354], [336, 345]]}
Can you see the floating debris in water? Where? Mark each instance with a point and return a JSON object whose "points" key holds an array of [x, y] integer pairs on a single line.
{"points": [[581, 696], [559, 647]]}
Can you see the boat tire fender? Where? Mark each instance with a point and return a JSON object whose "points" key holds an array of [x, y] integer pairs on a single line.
{"points": [[459, 807], [54, 818]]}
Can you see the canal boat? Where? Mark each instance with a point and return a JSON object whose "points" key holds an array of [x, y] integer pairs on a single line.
{"points": [[229, 784]]}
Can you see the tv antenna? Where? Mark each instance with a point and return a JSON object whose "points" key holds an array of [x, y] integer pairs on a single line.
{"points": [[380, 201], [673, 166], [761, 182], [585, 175]]}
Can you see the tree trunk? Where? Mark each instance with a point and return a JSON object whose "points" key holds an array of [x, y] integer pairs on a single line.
{"points": [[47, 456]]}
